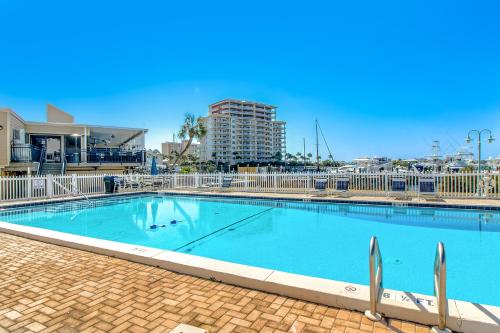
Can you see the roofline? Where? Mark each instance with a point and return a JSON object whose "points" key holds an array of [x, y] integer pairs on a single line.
{"points": [[7, 110], [242, 101], [86, 125]]}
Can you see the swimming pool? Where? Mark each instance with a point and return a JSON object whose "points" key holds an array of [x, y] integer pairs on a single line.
{"points": [[324, 240]]}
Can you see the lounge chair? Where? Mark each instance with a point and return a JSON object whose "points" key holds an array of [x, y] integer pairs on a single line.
{"points": [[398, 188], [216, 185], [320, 187], [208, 186], [226, 183], [147, 182], [132, 182], [341, 186], [119, 184], [152, 182], [427, 188], [158, 182]]}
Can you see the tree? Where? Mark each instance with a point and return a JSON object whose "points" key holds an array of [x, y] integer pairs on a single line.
{"points": [[300, 157], [193, 128], [173, 156], [401, 164]]}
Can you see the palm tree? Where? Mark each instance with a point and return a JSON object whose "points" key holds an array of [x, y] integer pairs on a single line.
{"points": [[193, 128], [278, 157], [173, 155]]}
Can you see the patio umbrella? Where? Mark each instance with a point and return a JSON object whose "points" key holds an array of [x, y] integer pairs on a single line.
{"points": [[154, 168]]}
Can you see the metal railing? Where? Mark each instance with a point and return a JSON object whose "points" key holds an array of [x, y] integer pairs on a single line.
{"points": [[376, 269], [41, 160], [110, 155], [440, 287], [24, 153]]}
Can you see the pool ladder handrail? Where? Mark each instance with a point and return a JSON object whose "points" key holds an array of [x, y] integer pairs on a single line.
{"points": [[76, 191], [376, 279], [440, 288]]}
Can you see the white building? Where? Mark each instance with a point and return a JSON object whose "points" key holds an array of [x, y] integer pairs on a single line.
{"points": [[241, 132]]}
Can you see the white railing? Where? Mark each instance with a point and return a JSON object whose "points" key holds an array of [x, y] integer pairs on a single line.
{"points": [[447, 185]]}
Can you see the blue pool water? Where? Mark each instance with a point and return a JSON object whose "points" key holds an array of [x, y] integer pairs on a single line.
{"points": [[317, 239]]}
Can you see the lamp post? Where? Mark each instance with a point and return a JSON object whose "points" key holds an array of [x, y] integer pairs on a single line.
{"points": [[479, 133]]}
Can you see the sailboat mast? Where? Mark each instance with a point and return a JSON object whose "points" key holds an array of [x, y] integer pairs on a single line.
{"points": [[304, 146], [317, 147]]}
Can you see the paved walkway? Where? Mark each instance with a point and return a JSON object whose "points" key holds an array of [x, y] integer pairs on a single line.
{"points": [[46, 288]]}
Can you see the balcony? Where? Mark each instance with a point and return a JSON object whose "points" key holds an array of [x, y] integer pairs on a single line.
{"points": [[108, 156], [24, 153]]}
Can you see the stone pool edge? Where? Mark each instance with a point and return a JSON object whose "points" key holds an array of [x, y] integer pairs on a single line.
{"points": [[462, 316]]}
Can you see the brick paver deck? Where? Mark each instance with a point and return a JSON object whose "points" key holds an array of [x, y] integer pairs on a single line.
{"points": [[46, 288]]}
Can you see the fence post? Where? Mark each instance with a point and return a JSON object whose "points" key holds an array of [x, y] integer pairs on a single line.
{"points": [[28, 187], [50, 186], [175, 180], [74, 184], [275, 180], [386, 182], [196, 180], [246, 181]]}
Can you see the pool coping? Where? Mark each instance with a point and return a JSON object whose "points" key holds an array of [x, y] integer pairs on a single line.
{"points": [[462, 316], [333, 200]]}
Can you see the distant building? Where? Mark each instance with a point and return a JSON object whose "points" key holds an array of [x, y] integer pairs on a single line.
{"points": [[373, 164], [494, 163], [168, 148], [241, 132]]}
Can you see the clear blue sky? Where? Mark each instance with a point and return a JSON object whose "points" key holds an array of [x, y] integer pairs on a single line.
{"points": [[383, 77]]}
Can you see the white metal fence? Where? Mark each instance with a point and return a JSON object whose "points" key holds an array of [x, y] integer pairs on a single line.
{"points": [[447, 185]]}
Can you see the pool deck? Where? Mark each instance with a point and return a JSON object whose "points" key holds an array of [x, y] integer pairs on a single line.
{"points": [[50, 288], [357, 198], [46, 287]]}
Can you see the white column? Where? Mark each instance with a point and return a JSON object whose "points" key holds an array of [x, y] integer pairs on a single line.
{"points": [[83, 147]]}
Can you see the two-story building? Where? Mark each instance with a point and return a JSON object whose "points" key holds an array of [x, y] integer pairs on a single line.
{"points": [[61, 146]]}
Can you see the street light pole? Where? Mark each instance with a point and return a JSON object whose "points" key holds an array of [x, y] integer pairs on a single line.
{"points": [[479, 133]]}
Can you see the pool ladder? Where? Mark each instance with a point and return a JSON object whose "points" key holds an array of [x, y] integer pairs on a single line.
{"points": [[376, 269], [376, 284]]}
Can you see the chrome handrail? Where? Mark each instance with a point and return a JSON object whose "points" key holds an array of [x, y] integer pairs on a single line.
{"points": [[440, 287], [68, 191], [41, 161], [376, 269], [64, 165]]}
